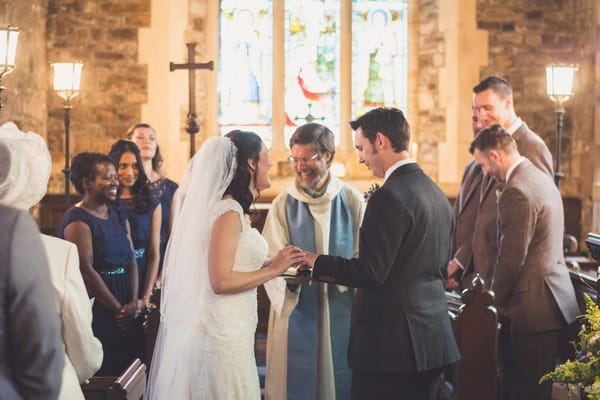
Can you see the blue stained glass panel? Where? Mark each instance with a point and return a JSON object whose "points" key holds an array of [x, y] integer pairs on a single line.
{"points": [[379, 55], [245, 66], [312, 73]]}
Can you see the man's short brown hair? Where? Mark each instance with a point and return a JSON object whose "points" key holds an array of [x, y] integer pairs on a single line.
{"points": [[494, 137]]}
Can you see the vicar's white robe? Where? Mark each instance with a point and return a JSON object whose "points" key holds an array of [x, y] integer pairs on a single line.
{"points": [[83, 351], [283, 301]]}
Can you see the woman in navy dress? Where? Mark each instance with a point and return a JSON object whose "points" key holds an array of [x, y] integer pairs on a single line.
{"points": [[144, 136], [101, 232], [143, 212]]}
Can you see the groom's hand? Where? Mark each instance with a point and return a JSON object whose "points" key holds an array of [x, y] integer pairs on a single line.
{"points": [[302, 277], [309, 259]]}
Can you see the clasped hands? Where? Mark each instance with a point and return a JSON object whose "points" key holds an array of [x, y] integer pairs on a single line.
{"points": [[126, 314], [295, 257]]}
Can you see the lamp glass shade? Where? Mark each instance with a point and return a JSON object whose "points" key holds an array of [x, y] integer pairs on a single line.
{"points": [[8, 48], [67, 78], [559, 80]]}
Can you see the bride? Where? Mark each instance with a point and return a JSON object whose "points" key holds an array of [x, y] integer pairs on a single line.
{"points": [[213, 264]]}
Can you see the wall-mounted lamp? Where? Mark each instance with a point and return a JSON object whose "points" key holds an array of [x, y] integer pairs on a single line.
{"points": [[559, 87], [67, 79], [8, 51]]}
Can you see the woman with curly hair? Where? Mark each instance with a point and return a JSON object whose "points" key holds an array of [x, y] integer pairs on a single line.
{"points": [[100, 231]]}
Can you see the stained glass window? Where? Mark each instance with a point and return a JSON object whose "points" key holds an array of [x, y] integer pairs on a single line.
{"points": [[312, 40], [312, 76], [379, 55], [245, 66]]}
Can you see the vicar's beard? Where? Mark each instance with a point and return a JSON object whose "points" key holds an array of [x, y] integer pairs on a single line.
{"points": [[311, 187]]}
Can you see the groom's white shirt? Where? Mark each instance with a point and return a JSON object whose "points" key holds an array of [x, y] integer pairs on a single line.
{"points": [[397, 165]]}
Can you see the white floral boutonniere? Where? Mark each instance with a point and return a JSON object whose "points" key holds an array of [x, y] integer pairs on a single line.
{"points": [[367, 195], [499, 190]]}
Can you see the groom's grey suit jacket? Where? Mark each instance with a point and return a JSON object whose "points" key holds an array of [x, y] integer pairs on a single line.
{"points": [[399, 320]]}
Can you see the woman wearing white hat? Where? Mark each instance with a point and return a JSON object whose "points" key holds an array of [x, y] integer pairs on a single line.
{"points": [[24, 173]]}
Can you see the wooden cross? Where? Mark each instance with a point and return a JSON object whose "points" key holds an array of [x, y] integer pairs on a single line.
{"points": [[192, 127]]}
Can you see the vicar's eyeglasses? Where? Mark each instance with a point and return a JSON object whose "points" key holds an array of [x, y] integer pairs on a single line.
{"points": [[295, 161]]}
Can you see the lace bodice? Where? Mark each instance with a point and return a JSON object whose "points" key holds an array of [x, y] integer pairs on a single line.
{"points": [[252, 248]]}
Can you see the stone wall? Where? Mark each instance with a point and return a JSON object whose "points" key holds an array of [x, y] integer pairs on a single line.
{"points": [[25, 97], [524, 36], [578, 161], [104, 35], [431, 121]]}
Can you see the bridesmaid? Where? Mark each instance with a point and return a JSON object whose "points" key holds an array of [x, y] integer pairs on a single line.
{"points": [[101, 233], [144, 136], [143, 211]]}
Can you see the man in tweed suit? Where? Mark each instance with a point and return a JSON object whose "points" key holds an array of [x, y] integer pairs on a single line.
{"points": [[532, 285], [465, 209], [493, 103]]}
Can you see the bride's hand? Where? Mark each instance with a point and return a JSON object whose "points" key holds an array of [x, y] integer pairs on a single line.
{"points": [[285, 258]]}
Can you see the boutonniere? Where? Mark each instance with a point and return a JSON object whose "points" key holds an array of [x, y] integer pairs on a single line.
{"points": [[367, 195], [499, 190]]}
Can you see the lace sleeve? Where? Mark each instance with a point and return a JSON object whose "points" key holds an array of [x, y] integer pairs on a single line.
{"points": [[228, 205]]}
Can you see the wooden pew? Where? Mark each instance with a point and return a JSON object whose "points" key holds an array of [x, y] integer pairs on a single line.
{"points": [[131, 385], [475, 323]]}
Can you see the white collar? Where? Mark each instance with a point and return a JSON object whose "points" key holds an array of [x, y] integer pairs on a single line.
{"points": [[396, 166], [334, 186], [513, 166], [516, 125]]}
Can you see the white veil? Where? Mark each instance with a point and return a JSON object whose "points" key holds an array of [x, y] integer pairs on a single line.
{"points": [[186, 283]]}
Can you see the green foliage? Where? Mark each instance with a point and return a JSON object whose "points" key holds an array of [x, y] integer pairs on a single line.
{"points": [[584, 371]]}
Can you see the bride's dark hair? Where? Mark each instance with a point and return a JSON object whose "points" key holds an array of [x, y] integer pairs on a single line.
{"points": [[248, 145]]}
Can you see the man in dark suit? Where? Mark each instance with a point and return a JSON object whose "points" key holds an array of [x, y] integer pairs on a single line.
{"points": [[493, 102], [465, 210], [532, 285], [400, 334], [31, 348]]}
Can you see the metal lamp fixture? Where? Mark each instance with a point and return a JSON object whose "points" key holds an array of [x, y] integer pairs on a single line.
{"points": [[8, 51], [67, 79], [559, 87]]}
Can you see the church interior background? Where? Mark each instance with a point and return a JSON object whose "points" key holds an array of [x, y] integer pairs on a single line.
{"points": [[279, 62]]}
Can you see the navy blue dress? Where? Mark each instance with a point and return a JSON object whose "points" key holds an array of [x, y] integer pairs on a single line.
{"points": [[164, 189], [112, 254], [139, 224]]}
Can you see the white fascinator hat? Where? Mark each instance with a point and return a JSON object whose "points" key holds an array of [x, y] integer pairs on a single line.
{"points": [[25, 167]]}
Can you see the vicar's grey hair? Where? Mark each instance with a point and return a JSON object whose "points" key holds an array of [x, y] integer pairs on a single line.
{"points": [[320, 136]]}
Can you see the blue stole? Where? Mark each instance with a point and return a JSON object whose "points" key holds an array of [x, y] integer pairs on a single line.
{"points": [[303, 323]]}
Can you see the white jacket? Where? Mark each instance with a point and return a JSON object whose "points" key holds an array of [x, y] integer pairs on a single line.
{"points": [[83, 352]]}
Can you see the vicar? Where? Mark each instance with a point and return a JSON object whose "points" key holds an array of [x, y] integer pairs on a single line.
{"points": [[400, 335], [308, 325], [532, 285]]}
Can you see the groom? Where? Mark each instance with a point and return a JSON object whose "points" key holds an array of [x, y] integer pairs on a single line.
{"points": [[400, 334]]}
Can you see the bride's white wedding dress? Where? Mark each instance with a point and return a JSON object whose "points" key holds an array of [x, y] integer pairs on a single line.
{"points": [[229, 362], [213, 352]]}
